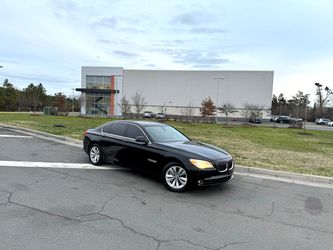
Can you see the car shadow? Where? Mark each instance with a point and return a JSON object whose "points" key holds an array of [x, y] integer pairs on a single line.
{"points": [[193, 190]]}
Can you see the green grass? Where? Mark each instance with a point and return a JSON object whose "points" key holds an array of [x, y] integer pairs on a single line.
{"points": [[265, 147]]}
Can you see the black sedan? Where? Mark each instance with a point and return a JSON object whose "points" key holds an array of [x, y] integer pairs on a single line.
{"points": [[160, 149]]}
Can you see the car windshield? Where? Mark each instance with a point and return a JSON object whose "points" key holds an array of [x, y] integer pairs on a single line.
{"points": [[164, 133]]}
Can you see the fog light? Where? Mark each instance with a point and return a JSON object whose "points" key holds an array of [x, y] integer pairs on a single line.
{"points": [[200, 182]]}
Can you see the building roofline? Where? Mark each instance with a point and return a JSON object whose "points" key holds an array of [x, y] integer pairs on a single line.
{"points": [[179, 70]]}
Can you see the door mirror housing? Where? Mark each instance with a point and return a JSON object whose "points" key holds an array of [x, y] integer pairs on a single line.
{"points": [[141, 140]]}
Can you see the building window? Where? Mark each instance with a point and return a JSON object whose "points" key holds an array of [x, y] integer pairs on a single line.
{"points": [[98, 104], [98, 82]]}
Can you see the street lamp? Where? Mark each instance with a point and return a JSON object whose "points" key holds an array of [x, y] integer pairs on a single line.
{"points": [[217, 94]]}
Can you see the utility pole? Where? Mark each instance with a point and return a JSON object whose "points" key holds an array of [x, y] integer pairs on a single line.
{"points": [[217, 94]]}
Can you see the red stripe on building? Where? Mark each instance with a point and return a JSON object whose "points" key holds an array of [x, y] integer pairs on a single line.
{"points": [[112, 87]]}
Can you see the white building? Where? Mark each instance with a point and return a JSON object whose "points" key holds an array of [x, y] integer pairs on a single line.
{"points": [[174, 90]]}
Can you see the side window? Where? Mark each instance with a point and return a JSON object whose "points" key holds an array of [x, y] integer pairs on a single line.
{"points": [[118, 129], [133, 131], [107, 129]]}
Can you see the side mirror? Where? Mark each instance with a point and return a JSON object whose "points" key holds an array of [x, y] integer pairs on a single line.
{"points": [[141, 140]]}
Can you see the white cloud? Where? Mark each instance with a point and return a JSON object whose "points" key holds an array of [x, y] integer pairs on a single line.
{"points": [[48, 41]]}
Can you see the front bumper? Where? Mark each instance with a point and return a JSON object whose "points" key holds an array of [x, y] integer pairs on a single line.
{"points": [[213, 177], [214, 180]]}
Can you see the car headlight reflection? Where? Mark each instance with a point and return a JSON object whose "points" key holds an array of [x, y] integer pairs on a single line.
{"points": [[202, 164]]}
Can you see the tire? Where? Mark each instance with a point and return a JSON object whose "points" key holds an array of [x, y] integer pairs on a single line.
{"points": [[95, 155], [175, 177]]}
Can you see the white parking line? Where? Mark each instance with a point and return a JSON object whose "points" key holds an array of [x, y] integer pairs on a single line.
{"points": [[30, 164], [16, 136]]}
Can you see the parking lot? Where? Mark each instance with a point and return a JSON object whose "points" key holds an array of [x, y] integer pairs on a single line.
{"points": [[52, 198]]}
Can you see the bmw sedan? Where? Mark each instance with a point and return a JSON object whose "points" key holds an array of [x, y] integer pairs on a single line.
{"points": [[159, 149]]}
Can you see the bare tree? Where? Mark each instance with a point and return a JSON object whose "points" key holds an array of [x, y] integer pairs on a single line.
{"points": [[252, 111], [322, 97], [188, 111], [227, 108], [139, 103], [163, 108], [124, 106]]}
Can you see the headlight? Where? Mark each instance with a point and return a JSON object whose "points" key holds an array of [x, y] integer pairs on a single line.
{"points": [[201, 164]]}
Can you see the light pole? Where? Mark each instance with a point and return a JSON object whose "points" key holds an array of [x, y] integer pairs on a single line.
{"points": [[73, 100], [217, 94], [305, 114]]}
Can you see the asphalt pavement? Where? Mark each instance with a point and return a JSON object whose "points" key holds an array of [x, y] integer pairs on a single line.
{"points": [[50, 199]]}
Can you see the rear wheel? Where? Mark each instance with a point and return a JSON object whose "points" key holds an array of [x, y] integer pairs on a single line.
{"points": [[175, 177], [96, 155]]}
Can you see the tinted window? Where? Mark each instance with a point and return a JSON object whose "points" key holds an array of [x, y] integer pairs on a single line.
{"points": [[133, 131], [107, 129], [165, 133], [118, 129]]}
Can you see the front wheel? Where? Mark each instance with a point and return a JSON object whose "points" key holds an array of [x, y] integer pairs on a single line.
{"points": [[175, 177], [96, 155]]}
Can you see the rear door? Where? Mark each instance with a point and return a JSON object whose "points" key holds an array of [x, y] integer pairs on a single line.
{"points": [[114, 143]]}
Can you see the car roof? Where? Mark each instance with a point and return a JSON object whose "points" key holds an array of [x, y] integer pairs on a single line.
{"points": [[146, 123], [140, 123]]}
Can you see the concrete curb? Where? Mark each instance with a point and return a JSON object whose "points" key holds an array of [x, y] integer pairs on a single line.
{"points": [[239, 170], [275, 174], [43, 134]]}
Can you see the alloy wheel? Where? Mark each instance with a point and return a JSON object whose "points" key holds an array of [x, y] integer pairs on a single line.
{"points": [[95, 154], [176, 177]]}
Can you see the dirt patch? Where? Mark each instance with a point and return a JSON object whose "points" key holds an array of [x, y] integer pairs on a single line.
{"points": [[304, 133]]}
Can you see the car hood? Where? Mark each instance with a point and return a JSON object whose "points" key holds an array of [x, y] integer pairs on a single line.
{"points": [[198, 148]]}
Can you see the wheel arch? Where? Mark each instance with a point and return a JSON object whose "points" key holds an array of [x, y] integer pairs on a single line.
{"points": [[170, 159]]}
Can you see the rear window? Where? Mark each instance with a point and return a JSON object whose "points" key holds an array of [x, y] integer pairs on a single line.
{"points": [[118, 129], [107, 129]]}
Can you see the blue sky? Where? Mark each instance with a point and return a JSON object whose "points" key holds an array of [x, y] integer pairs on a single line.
{"points": [[48, 41]]}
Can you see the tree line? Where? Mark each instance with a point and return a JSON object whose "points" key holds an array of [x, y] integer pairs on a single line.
{"points": [[299, 105], [33, 98]]}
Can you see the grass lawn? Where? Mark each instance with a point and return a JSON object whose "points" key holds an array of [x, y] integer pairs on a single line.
{"points": [[265, 147]]}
